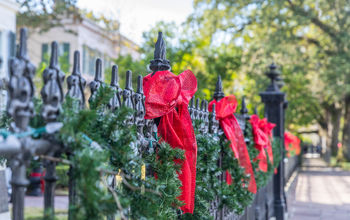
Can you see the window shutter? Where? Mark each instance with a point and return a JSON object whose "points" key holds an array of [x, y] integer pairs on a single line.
{"points": [[12, 44], [66, 48], [45, 53]]}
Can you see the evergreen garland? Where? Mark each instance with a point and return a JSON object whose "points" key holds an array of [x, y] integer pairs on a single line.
{"points": [[210, 187], [133, 197], [153, 197]]}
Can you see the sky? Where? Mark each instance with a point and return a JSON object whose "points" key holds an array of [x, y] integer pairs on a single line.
{"points": [[137, 16]]}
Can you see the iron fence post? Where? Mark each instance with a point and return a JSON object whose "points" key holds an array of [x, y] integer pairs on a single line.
{"points": [[21, 108], [52, 95], [76, 84], [273, 99]]}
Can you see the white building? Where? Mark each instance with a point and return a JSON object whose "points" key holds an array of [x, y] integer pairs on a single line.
{"points": [[8, 10], [84, 35]]}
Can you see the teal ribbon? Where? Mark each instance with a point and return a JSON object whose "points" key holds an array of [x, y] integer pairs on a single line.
{"points": [[87, 138], [150, 141], [32, 132]]}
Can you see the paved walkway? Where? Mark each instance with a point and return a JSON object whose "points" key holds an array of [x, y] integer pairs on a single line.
{"points": [[322, 193], [61, 202]]}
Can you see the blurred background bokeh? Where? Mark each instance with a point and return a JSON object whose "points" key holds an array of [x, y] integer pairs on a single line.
{"points": [[237, 39]]}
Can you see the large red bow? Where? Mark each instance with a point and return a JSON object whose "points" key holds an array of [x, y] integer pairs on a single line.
{"points": [[262, 132], [228, 122], [167, 96]]}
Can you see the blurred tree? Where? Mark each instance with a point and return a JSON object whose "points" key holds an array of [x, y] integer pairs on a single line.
{"points": [[308, 38], [186, 50], [43, 15]]}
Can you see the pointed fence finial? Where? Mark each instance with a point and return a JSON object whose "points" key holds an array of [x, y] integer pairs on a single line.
{"points": [[115, 76], [160, 50], [54, 56], [52, 92], [97, 82], [244, 109], [139, 85], [76, 64], [98, 70], [213, 123], [160, 62], [128, 97], [115, 101], [20, 85], [273, 74], [191, 109], [22, 52], [76, 83], [128, 83], [218, 94], [139, 99]]}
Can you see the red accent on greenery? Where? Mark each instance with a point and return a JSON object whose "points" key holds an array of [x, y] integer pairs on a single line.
{"points": [[260, 142], [267, 127], [35, 175], [167, 96], [228, 122], [42, 182], [291, 144]]}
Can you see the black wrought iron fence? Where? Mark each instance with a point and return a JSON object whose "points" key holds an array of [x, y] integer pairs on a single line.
{"points": [[19, 147]]}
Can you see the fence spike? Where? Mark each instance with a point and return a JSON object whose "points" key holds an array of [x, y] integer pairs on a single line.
{"points": [[139, 85], [54, 56], [140, 110], [22, 52], [115, 101], [160, 62], [218, 94], [128, 96], [213, 123], [98, 70], [97, 82], [21, 88], [198, 110], [76, 63], [160, 47], [128, 83], [203, 109], [192, 109], [52, 92], [244, 109], [115, 76], [76, 83]]}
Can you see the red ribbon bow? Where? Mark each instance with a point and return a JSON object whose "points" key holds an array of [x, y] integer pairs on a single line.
{"points": [[262, 132], [291, 143], [167, 96], [228, 122]]}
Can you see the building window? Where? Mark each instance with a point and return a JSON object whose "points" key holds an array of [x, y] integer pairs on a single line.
{"points": [[89, 59], [63, 55]]}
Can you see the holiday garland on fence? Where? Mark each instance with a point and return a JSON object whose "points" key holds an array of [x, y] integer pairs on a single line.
{"points": [[133, 197], [114, 153]]}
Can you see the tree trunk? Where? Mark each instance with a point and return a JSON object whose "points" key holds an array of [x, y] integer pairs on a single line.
{"points": [[335, 129], [346, 129]]}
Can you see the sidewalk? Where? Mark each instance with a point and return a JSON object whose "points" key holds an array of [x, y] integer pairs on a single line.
{"points": [[322, 193], [61, 202]]}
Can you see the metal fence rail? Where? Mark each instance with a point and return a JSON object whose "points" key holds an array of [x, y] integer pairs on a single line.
{"points": [[19, 150]]}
